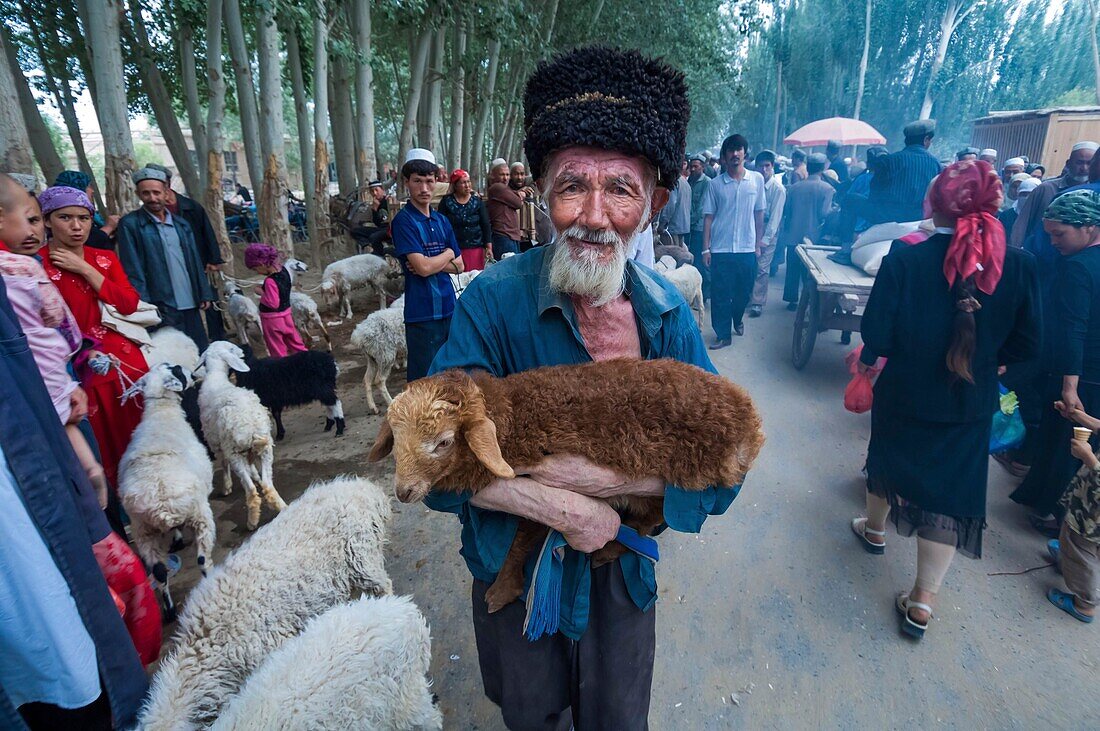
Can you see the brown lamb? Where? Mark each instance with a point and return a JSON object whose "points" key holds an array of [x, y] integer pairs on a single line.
{"points": [[643, 418]]}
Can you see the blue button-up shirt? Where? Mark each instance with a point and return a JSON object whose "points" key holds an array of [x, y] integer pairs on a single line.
{"points": [[734, 204], [183, 297], [509, 320]]}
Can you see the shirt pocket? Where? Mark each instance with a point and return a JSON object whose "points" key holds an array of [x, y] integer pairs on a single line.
{"points": [[14, 346]]}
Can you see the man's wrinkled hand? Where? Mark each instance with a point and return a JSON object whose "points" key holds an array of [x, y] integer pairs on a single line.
{"points": [[575, 473], [593, 524]]}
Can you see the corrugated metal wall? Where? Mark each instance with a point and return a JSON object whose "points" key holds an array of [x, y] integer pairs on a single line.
{"points": [[1012, 138]]}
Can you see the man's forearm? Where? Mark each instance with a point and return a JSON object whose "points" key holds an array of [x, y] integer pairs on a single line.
{"points": [[522, 496]]}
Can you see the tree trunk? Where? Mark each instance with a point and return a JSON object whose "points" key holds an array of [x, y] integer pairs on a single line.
{"points": [[15, 144], [190, 84], [41, 142], [458, 95], [485, 100], [58, 85], [417, 62], [318, 215], [468, 164], [548, 24], [431, 98], [595, 22], [105, 45], [215, 142], [246, 93], [1094, 10], [365, 163], [863, 58], [948, 24], [301, 108], [778, 98], [343, 129], [274, 226], [160, 100]]}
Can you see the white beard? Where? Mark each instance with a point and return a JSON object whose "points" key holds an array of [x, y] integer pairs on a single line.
{"points": [[581, 271]]}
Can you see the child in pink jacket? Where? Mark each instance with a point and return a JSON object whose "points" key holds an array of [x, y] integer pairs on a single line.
{"points": [[280, 334]]}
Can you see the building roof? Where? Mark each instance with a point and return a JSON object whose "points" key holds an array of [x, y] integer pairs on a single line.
{"points": [[1012, 115]]}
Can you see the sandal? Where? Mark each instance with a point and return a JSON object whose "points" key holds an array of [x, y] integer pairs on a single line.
{"points": [[1054, 548], [1064, 601], [859, 527], [910, 626]]}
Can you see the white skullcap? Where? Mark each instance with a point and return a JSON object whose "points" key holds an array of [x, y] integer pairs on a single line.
{"points": [[497, 162], [988, 152], [1017, 161], [515, 165], [1020, 177], [1028, 185], [419, 153], [1086, 145]]}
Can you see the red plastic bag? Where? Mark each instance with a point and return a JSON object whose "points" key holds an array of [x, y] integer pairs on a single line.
{"points": [[859, 394]]}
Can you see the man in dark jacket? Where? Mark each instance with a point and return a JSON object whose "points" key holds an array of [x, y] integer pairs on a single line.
{"points": [[836, 161], [51, 512], [159, 254], [192, 211], [808, 203], [902, 178]]}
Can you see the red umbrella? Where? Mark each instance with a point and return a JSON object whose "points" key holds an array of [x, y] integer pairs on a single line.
{"points": [[843, 130]]}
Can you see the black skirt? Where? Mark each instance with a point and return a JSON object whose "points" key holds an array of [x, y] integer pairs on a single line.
{"points": [[934, 476]]}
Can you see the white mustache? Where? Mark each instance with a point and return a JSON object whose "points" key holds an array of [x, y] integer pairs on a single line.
{"points": [[591, 235]]}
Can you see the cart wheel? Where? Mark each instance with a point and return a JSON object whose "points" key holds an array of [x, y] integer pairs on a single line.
{"points": [[805, 326]]}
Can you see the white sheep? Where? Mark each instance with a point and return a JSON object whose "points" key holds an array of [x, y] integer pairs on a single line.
{"points": [[303, 309], [462, 280], [165, 477], [362, 271], [381, 340], [173, 347], [238, 429], [358, 666], [244, 313], [323, 550], [688, 281]]}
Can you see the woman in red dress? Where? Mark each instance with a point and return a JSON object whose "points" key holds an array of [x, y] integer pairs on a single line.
{"points": [[86, 277]]}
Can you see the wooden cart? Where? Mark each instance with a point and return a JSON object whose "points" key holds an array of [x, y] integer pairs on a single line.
{"points": [[833, 296]]}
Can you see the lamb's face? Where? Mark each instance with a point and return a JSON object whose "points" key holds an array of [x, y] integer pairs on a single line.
{"points": [[328, 292], [430, 427], [163, 379]]}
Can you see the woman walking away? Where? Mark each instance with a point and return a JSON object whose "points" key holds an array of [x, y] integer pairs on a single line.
{"points": [[470, 220], [1073, 222], [280, 334], [946, 313]]}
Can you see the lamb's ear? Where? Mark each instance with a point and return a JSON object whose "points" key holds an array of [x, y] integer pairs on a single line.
{"points": [[383, 445], [481, 435]]}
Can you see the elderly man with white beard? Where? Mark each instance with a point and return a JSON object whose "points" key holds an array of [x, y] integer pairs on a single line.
{"points": [[605, 133]]}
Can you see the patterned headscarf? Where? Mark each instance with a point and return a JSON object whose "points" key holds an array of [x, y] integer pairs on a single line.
{"points": [[73, 179], [458, 174], [970, 192], [260, 255], [1075, 208], [62, 196]]}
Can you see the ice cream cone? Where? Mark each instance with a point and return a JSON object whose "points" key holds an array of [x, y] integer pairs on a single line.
{"points": [[1080, 432]]}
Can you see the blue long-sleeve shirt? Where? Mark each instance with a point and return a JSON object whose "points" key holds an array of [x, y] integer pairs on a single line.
{"points": [[509, 320]]}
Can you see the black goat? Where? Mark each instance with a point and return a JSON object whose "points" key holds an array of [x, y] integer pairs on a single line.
{"points": [[294, 380]]}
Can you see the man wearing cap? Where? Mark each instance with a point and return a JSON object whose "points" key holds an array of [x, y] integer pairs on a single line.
{"points": [[377, 212], [836, 161], [680, 223], [797, 172], [192, 211], [776, 196], [988, 155], [161, 259], [966, 153], [902, 178], [1013, 166], [698, 180], [807, 205], [1030, 220], [605, 133]]}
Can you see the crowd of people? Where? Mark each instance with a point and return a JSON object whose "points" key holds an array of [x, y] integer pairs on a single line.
{"points": [[999, 285]]}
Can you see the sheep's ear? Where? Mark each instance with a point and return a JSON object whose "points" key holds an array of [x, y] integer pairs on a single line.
{"points": [[383, 445], [481, 435]]}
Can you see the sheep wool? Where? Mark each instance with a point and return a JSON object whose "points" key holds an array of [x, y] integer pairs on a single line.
{"points": [[306, 316], [363, 271], [244, 313], [688, 282], [381, 340], [358, 666], [173, 347], [294, 380], [322, 551]]}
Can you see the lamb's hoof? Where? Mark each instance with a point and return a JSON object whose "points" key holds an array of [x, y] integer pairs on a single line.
{"points": [[252, 525], [279, 435], [340, 426], [498, 597], [607, 554], [168, 614], [329, 423]]}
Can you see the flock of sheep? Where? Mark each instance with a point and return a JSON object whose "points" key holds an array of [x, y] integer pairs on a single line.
{"points": [[300, 621]]}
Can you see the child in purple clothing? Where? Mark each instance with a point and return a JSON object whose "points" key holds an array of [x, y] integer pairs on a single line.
{"points": [[280, 334]]}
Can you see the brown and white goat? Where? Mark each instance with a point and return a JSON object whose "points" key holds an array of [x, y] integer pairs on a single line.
{"points": [[642, 418]]}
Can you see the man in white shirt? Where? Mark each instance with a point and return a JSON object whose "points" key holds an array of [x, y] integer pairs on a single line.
{"points": [[776, 195], [733, 235]]}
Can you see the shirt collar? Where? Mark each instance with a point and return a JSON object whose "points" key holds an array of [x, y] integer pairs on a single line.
{"points": [[167, 217]]}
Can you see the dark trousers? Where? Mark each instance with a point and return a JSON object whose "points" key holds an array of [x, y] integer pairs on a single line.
{"points": [[778, 259], [423, 340], [1052, 465], [795, 271], [503, 245], [731, 280], [1028, 382], [48, 717], [187, 321], [601, 681], [695, 246]]}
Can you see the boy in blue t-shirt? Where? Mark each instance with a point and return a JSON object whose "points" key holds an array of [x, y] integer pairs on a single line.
{"points": [[429, 253]]}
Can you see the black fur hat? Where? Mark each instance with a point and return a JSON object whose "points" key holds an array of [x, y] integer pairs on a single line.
{"points": [[607, 98]]}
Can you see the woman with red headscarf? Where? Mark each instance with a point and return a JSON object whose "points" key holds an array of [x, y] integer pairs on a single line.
{"points": [[945, 313], [470, 220]]}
